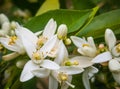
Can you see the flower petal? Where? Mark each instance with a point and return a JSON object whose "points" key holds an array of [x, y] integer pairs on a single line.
{"points": [[28, 38], [83, 61], [48, 46], [5, 41], [85, 80], [26, 73], [110, 38], [70, 70], [50, 28], [115, 52], [62, 53], [103, 57], [41, 72], [91, 71], [78, 41], [91, 42], [114, 65], [53, 83], [49, 65], [25, 34]]}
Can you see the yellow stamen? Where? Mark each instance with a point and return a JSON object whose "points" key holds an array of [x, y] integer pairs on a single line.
{"points": [[36, 56], [85, 45], [12, 40], [118, 48], [75, 62], [62, 76], [41, 41]]}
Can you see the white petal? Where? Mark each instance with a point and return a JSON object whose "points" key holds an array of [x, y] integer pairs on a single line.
{"points": [[28, 38], [50, 28], [85, 80], [62, 53], [91, 71], [26, 73], [89, 51], [26, 34], [70, 70], [5, 41], [83, 61], [3, 18], [114, 65], [103, 57], [110, 38], [116, 76], [49, 65], [41, 72], [78, 41], [53, 83], [48, 46], [114, 52], [91, 42]]}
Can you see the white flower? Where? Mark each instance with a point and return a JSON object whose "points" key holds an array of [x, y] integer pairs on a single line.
{"points": [[64, 74], [14, 43], [38, 63], [5, 25], [86, 48]]}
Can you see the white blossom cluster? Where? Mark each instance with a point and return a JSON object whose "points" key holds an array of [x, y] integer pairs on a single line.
{"points": [[49, 55]]}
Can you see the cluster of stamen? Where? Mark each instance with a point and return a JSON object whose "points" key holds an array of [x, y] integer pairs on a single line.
{"points": [[69, 63], [85, 45], [62, 77], [118, 48], [12, 40], [37, 55], [41, 41]]}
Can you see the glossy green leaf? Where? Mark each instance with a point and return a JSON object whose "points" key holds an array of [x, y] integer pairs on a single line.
{"points": [[74, 19], [48, 5], [98, 25]]}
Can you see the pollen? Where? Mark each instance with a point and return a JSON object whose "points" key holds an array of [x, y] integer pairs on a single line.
{"points": [[62, 76], [75, 62], [41, 41], [85, 45], [36, 56], [118, 48], [12, 40]]}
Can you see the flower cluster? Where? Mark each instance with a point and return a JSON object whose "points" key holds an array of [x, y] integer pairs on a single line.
{"points": [[49, 56]]}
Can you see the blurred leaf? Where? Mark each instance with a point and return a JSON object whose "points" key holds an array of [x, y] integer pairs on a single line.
{"points": [[17, 84], [98, 25], [31, 84], [89, 20], [83, 4], [74, 19], [48, 5]]}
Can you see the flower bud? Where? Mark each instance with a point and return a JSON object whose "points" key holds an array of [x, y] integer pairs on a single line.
{"points": [[62, 31], [67, 41], [21, 63]]}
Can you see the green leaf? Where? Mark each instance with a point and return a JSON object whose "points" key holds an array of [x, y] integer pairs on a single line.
{"points": [[98, 25], [74, 19], [48, 5], [82, 4], [31, 84]]}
